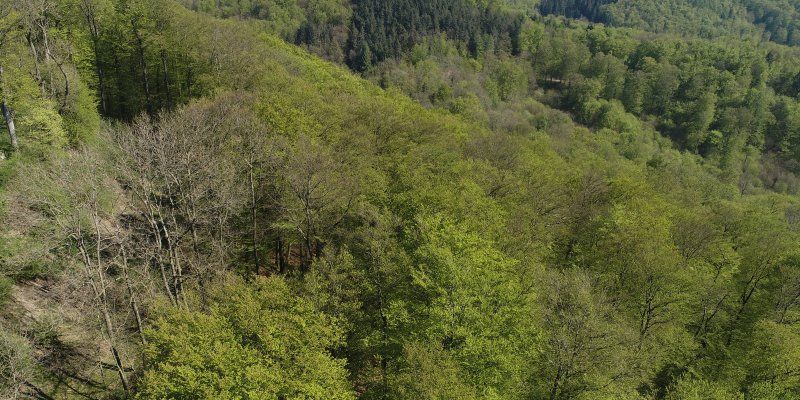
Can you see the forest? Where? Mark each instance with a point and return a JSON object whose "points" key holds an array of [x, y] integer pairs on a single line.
{"points": [[400, 199]]}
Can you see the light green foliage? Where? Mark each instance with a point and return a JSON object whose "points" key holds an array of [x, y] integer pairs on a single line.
{"points": [[700, 115], [36, 116], [283, 17], [531, 36], [751, 19], [774, 358], [429, 373], [698, 389], [611, 71], [475, 304], [42, 84], [559, 57], [709, 19], [511, 79], [40, 122], [333, 285], [258, 341], [321, 25], [81, 119]]}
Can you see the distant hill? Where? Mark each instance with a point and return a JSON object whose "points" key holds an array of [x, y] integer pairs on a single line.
{"points": [[773, 20]]}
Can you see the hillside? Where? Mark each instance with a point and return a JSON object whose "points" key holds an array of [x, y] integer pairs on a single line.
{"points": [[727, 99], [769, 20], [471, 202]]}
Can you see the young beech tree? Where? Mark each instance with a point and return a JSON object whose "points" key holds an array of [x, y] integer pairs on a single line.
{"points": [[786, 289], [428, 372], [472, 303], [257, 341], [772, 360], [586, 353], [251, 138]]}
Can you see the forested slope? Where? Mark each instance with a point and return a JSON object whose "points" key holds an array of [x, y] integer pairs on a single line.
{"points": [[700, 92], [517, 209], [770, 20]]}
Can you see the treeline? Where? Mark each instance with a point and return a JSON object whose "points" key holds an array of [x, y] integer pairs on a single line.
{"points": [[363, 32]]}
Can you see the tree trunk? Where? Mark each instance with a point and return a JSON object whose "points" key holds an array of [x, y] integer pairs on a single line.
{"points": [[94, 31], [9, 117], [39, 393], [60, 66], [254, 216], [37, 71], [306, 248], [157, 237], [174, 261], [280, 258], [12, 130], [99, 294], [103, 297], [166, 78], [143, 65], [556, 381], [114, 351], [134, 304]]}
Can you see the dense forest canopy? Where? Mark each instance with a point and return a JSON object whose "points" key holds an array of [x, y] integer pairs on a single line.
{"points": [[401, 199], [774, 20]]}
